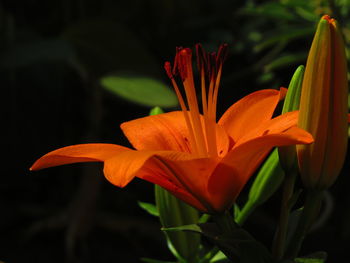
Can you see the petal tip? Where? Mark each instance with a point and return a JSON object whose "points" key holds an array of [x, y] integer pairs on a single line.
{"points": [[283, 93]]}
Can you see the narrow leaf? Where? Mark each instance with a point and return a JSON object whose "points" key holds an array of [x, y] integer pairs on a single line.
{"points": [[318, 257], [140, 89], [174, 213], [267, 181], [151, 260], [150, 208], [238, 245]]}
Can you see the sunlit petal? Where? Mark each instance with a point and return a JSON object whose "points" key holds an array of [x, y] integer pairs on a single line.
{"points": [[275, 125], [91, 152], [166, 131], [254, 109], [246, 157]]}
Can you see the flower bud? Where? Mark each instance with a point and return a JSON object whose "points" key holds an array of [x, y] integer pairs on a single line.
{"points": [[323, 107]]}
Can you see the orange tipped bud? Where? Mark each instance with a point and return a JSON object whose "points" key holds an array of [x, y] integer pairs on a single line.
{"points": [[323, 107]]}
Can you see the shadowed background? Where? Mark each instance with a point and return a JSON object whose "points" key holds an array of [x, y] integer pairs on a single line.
{"points": [[54, 58]]}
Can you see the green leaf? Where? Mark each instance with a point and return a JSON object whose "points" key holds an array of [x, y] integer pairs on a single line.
{"points": [[292, 224], [285, 60], [173, 213], [284, 34], [287, 154], [238, 245], [309, 260], [150, 208], [204, 218], [271, 10], [141, 90], [236, 209], [219, 257], [156, 110], [292, 100], [151, 260], [318, 257], [196, 228], [267, 181]]}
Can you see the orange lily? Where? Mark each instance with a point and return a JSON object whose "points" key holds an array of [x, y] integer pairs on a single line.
{"points": [[202, 162]]}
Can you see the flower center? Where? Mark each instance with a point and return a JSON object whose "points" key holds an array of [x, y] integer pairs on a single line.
{"points": [[202, 129]]}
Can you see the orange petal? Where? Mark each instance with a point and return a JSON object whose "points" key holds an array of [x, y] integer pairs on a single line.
{"points": [[166, 131], [94, 152], [246, 114], [163, 176], [223, 141], [246, 157], [275, 125], [224, 185], [191, 174], [121, 167]]}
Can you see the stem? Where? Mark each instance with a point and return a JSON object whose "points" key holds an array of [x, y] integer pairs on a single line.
{"points": [[281, 234], [248, 208], [310, 211], [225, 222], [212, 253]]}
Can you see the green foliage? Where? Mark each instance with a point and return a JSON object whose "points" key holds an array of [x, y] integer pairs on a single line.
{"points": [[292, 100], [318, 257], [150, 208], [150, 260], [141, 90], [238, 245], [285, 24], [156, 110], [287, 154], [267, 181], [173, 213]]}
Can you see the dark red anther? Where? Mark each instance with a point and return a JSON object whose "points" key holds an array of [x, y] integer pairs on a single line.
{"points": [[175, 68], [222, 54], [167, 67], [183, 61], [202, 58]]}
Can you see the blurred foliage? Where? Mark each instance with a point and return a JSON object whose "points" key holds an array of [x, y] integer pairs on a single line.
{"points": [[53, 56], [141, 90], [287, 25]]}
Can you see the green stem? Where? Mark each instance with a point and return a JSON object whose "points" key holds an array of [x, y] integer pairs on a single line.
{"points": [[308, 215], [212, 253], [225, 222], [281, 234], [248, 208]]}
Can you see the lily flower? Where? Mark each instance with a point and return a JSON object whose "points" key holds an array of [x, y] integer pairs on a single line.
{"points": [[324, 107], [201, 161]]}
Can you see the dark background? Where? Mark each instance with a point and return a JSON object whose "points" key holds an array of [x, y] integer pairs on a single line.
{"points": [[52, 55]]}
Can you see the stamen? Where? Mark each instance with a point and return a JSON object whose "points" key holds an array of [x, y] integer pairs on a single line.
{"points": [[202, 139], [216, 89], [193, 143], [202, 63], [185, 68], [211, 130]]}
